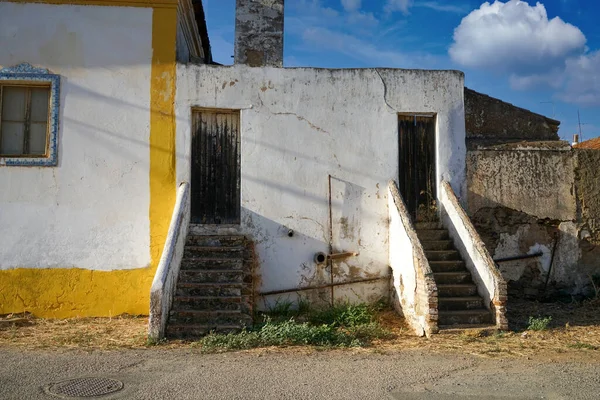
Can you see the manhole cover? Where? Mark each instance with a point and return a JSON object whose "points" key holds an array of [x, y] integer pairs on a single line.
{"points": [[85, 387]]}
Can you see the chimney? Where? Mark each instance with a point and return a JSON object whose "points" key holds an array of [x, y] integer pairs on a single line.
{"points": [[575, 140], [259, 33]]}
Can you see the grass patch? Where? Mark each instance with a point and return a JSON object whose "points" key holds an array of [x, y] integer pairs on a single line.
{"points": [[582, 346], [538, 324], [344, 325]]}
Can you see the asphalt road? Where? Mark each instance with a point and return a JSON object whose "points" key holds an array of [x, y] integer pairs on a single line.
{"points": [[409, 375]]}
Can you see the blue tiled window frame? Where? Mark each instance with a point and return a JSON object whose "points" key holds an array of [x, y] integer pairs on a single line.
{"points": [[24, 73]]}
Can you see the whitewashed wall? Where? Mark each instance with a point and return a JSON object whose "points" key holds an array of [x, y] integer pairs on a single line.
{"points": [[300, 125], [91, 211]]}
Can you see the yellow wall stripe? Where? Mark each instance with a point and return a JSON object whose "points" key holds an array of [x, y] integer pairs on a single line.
{"points": [[162, 129], [62, 293]]}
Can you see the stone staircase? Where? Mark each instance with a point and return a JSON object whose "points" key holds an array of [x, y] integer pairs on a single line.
{"points": [[459, 305], [214, 289]]}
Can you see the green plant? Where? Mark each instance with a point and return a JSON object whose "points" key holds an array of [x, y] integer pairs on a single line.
{"points": [[344, 325], [580, 345], [282, 308], [539, 323]]}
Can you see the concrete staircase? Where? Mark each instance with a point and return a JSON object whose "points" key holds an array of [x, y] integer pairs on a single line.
{"points": [[459, 305], [214, 289]]}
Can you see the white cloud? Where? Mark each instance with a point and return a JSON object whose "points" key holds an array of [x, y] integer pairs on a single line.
{"points": [[514, 37], [351, 5], [451, 8], [398, 5], [582, 76]]}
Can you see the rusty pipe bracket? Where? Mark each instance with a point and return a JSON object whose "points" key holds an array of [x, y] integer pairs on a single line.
{"points": [[337, 256]]}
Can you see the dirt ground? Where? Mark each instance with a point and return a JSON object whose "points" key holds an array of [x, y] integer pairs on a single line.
{"points": [[574, 328]]}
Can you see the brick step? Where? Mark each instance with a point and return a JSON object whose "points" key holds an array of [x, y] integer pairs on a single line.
{"points": [[456, 290], [448, 266], [192, 263], [209, 289], [428, 225], [215, 240], [211, 276], [236, 252], [442, 255], [437, 245], [432, 234], [460, 303], [204, 303], [210, 318], [189, 331], [464, 317], [452, 277]]}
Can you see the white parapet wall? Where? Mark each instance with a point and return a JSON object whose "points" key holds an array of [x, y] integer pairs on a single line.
{"points": [[167, 273], [300, 125], [414, 292], [490, 283]]}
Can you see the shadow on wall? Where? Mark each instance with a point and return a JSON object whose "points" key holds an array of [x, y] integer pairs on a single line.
{"points": [[570, 251], [285, 262]]}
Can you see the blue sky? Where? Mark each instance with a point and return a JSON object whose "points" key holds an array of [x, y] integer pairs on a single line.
{"points": [[543, 56]]}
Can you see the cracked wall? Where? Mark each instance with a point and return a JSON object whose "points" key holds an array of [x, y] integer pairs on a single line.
{"points": [[538, 198], [300, 125]]}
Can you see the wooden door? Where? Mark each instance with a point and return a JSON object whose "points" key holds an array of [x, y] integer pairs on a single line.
{"points": [[417, 180], [215, 185]]}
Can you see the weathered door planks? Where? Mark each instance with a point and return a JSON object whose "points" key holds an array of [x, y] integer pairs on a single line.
{"points": [[215, 186], [417, 180]]}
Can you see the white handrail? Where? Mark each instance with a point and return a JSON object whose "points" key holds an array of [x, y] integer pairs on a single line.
{"points": [[414, 284], [490, 283], [165, 279]]}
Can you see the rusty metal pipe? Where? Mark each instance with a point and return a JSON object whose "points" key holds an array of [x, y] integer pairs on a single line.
{"points": [[516, 258], [274, 292]]}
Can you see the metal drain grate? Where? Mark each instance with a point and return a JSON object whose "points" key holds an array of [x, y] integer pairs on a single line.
{"points": [[85, 387]]}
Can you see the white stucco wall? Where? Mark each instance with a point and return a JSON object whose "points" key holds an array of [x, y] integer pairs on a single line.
{"points": [[300, 125], [91, 211]]}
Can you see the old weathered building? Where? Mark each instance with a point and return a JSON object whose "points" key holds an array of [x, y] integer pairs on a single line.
{"points": [[145, 178]]}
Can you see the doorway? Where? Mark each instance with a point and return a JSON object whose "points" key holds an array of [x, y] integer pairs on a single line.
{"points": [[215, 174], [417, 180]]}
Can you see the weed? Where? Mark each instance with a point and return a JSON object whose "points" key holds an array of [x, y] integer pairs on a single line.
{"points": [[538, 324], [150, 341], [344, 325], [580, 345], [282, 308]]}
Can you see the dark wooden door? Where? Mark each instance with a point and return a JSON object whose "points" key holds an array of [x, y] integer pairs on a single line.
{"points": [[215, 182], [417, 180]]}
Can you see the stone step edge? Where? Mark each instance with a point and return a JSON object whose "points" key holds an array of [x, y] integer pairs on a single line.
{"points": [[478, 311], [189, 298], [214, 271], [215, 248], [188, 285], [459, 298], [210, 313], [462, 328]]}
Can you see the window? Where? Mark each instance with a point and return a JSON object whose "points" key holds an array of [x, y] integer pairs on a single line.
{"points": [[29, 99], [24, 120]]}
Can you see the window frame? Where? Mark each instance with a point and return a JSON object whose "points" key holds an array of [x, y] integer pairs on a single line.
{"points": [[29, 76]]}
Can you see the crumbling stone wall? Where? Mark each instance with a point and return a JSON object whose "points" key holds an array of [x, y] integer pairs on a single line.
{"points": [[538, 198], [495, 121], [259, 33]]}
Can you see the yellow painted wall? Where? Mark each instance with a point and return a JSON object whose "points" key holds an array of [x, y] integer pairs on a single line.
{"points": [[62, 293]]}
